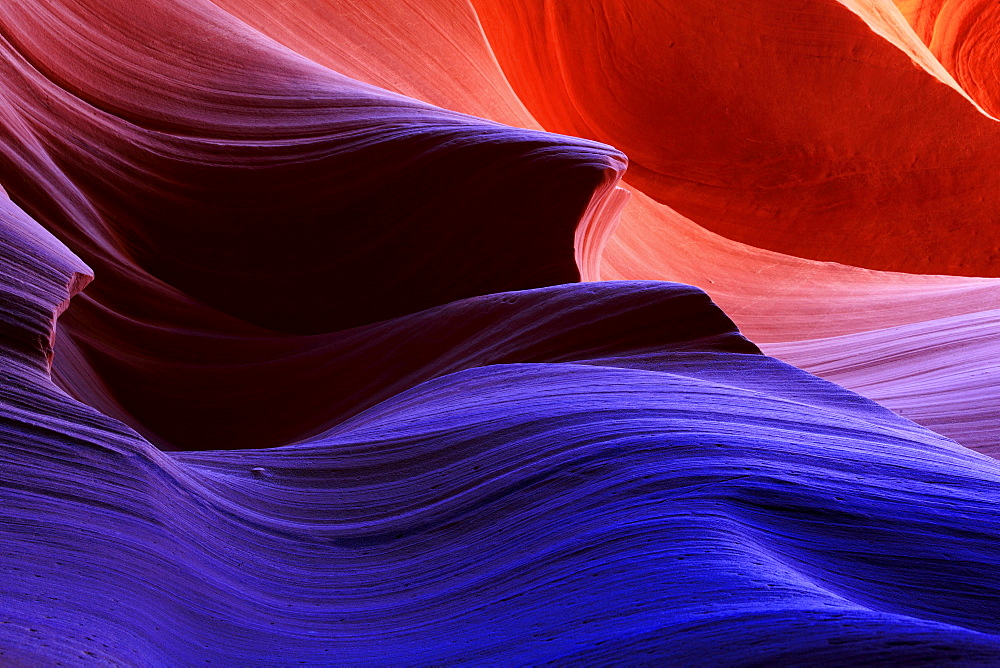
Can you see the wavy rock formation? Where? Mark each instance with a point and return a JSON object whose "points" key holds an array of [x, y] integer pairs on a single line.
{"points": [[921, 345], [430, 51], [705, 496], [906, 183], [334, 396], [773, 297], [940, 373], [274, 198]]}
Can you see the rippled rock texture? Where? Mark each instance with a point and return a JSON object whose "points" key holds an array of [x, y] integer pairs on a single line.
{"points": [[330, 333]]}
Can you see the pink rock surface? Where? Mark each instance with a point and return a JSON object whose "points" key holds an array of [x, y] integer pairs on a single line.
{"points": [[940, 373]]}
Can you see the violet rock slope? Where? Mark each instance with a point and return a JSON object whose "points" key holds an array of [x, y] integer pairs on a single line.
{"points": [[689, 500], [334, 397]]}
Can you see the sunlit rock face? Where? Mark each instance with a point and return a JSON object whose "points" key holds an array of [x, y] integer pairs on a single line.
{"points": [[331, 334], [962, 36], [786, 125]]}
